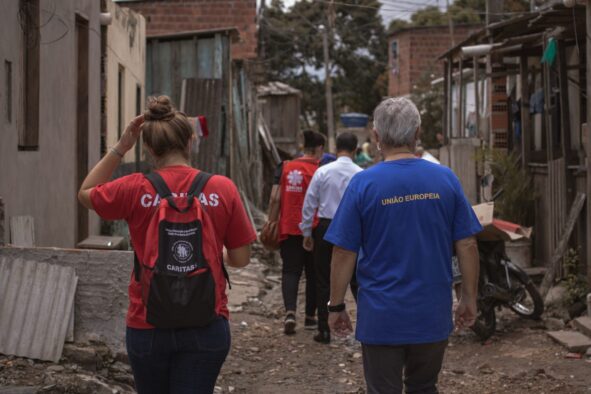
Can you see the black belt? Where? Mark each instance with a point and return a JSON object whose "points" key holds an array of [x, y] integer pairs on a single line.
{"points": [[324, 220]]}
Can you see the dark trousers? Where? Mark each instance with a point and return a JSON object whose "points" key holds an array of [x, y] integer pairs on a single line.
{"points": [[295, 260], [178, 361], [322, 258], [384, 365]]}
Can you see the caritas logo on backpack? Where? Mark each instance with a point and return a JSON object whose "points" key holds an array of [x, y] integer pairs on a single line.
{"points": [[181, 266]]}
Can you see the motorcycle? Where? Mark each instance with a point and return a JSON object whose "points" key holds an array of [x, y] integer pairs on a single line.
{"points": [[501, 283]]}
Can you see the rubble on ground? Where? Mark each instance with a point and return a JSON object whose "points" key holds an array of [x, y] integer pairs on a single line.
{"points": [[519, 358]]}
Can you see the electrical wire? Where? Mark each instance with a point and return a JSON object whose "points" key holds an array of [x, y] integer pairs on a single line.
{"points": [[385, 9], [25, 13]]}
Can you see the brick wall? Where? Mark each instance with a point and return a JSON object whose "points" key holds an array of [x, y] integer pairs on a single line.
{"points": [[172, 16], [418, 50]]}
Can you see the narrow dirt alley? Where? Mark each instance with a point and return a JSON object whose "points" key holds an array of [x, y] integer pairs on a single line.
{"points": [[520, 358]]}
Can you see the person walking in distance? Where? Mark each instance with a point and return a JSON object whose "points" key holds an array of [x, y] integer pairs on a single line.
{"points": [[287, 196], [181, 221], [324, 195], [402, 218]]}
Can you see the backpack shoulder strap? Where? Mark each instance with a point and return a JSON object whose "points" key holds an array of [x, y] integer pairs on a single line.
{"points": [[159, 184], [199, 183], [164, 192], [195, 190]]}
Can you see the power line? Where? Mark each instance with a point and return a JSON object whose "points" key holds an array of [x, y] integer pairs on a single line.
{"points": [[384, 9]]}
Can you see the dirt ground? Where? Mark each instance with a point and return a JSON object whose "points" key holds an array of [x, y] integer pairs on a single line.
{"points": [[519, 358]]}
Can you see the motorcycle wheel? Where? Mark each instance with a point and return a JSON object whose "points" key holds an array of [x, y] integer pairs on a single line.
{"points": [[486, 323], [527, 301]]}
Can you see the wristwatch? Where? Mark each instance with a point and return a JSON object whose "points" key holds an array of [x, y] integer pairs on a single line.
{"points": [[336, 308]]}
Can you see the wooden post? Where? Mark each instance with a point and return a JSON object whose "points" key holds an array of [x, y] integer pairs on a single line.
{"points": [[565, 132], [588, 90], [450, 106], [460, 101], [562, 245], [476, 95], [526, 133], [445, 98]]}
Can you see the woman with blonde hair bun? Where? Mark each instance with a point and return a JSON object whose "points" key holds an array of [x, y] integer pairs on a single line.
{"points": [[178, 334]]}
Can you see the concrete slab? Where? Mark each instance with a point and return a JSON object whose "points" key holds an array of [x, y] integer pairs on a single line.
{"points": [[36, 301], [101, 296], [102, 242], [572, 340], [583, 324]]}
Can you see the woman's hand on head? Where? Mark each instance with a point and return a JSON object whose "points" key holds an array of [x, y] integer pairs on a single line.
{"points": [[131, 134]]}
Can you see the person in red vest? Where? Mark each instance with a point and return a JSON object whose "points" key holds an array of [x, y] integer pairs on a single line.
{"points": [[292, 178]]}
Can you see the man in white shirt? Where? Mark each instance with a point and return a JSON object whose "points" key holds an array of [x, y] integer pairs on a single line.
{"points": [[324, 195]]}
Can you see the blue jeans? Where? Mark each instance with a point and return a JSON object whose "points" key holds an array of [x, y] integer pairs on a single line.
{"points": [[178, 361]]}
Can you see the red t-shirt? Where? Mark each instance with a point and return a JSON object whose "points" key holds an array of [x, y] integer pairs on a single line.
{"points": [[295, 179], [133, 199]]}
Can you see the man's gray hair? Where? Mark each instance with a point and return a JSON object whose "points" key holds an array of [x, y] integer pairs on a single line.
{"points": [[396, 121]]}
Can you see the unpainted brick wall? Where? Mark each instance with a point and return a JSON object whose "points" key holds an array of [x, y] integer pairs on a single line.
{"points": [[173, 16], [418, 51]]}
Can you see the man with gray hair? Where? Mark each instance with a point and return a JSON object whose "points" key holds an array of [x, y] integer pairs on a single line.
{"points": [[400, 220]]}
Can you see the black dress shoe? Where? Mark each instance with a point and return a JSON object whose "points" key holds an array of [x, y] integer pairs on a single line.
{"points": [[322, 337]]}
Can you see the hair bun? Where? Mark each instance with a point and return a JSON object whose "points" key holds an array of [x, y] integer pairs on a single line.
{"points": [[159, 108]]}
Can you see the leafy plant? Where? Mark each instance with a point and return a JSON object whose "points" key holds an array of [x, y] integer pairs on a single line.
{"points": [[293, 53], [575, 283], [429, 101], [514, 185]]}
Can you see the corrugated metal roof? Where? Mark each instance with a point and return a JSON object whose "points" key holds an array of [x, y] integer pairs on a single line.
{"points": [[36, 301], [277, 89]]}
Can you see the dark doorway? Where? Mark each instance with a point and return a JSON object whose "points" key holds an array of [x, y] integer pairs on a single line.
{"points": [[81, 121]]}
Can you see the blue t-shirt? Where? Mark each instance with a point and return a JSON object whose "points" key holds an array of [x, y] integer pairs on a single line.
{"points": [[327, 158], [402, 218]]}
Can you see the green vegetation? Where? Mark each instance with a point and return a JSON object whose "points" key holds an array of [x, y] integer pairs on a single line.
{"points": [[461, 11], [291, 42], [575, 283], [517, 195], [293, 53], [429, 101]]}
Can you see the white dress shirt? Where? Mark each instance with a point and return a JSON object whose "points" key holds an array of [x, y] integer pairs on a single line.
{"points": [[326, 191]]}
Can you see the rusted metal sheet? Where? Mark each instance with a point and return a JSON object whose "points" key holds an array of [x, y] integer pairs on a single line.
{"points": [[204, 97], [246, 148], [172, 59], [282, 116], [205, 57], [36, 304]]}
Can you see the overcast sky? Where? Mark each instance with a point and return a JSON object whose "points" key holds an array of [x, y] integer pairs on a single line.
{"points": [[401, 9]]}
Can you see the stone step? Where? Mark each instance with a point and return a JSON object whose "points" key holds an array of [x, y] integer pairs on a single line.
{"points": [[583, 324], [572, 340]]}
